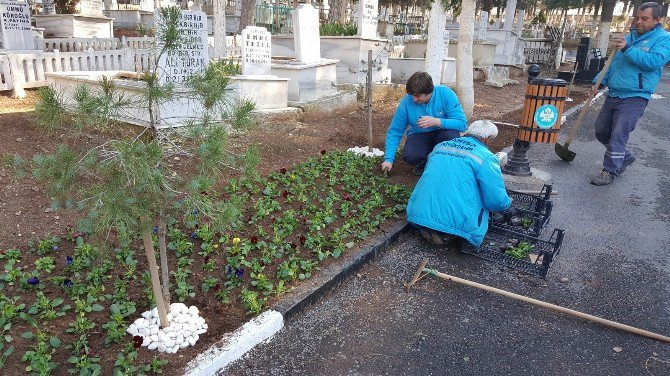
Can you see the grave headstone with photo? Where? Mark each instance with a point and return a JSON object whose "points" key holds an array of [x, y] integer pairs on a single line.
{"points": [[48, 7], [15, 28], [367, 18], [192, 56], [256, 51], [306, 34]]}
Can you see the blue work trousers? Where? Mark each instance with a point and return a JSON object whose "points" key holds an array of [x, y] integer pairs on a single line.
{"points": [[616, 120], [419, 145]]}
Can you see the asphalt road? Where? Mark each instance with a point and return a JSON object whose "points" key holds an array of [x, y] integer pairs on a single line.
{"points": [[615, 257]]}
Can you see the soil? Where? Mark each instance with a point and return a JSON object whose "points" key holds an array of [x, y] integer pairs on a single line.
{"points": [[25, 211]]}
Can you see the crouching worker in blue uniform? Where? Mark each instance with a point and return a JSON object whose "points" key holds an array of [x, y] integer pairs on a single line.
{"points": [[461, 183]]}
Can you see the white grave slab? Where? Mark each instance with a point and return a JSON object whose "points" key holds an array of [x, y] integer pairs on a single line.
{"points": [[91, 8], [367, 19], [306, 34], [193, 56], [15, 33], [256, 50]]}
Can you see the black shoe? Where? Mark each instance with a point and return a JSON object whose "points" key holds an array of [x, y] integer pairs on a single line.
{"points": [[626, 163], [602, 178]]}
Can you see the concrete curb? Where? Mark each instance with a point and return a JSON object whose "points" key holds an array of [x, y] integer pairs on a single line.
{"points": [[315, 287], [233, 346]]}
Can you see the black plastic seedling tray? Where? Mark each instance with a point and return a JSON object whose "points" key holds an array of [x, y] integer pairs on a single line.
{"points": [[498, 241], [532, 213]]}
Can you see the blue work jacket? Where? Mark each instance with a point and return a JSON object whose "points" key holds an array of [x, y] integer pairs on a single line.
{"points": [[461, 183]]}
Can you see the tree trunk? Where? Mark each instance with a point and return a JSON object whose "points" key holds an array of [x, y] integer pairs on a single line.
{"points": [[162, 251], [464, 75], [155, 279], [219, 28], [605, 24], [596, 13], [435, 47], [335, 13], [247, 13]]}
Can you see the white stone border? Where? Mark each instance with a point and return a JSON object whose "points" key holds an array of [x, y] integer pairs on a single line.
{"points": [[233, 345]]}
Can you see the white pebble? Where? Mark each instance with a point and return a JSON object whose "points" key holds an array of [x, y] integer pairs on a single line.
{"points": [[169, 343], [146, 341], [193, 310], [161, 348], [174, 349], [191, 340], [154, 330], [200, 331], [154, 338], [183, 345], [153, 346]]}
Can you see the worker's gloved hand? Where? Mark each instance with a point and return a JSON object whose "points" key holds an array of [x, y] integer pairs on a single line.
{"points": [[503, 216]]}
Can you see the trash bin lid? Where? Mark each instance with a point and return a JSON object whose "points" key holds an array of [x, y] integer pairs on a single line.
{"points": [[548, 82]]}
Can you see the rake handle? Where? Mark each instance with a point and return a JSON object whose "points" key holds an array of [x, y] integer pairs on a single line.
{"points": [[554, 307], [587, 105]]}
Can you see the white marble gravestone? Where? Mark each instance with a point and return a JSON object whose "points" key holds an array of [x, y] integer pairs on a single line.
{"points": [[147, 5], [192, 56], [256, 51], [91, 8], [15, 30], [367, 18], [306, 34]]}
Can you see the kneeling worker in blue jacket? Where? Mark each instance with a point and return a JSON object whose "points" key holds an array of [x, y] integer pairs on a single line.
{"points": [[461, 183]]}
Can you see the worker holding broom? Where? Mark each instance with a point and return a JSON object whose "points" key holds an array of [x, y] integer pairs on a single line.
{"points": [[461, 183], [633, 76]]}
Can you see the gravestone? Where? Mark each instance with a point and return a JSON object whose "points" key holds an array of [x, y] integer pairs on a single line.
{"points": [[15, 29], [367, 18], [48, 7], [91, 8], [306, 34], [192, 56], [147, 5], [256, 51]]}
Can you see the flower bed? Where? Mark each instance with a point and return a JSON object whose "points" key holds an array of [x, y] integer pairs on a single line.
{"points": [[67, 301]]}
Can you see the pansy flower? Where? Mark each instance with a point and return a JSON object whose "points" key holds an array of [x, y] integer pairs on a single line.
{"points": [[68, 282], [239, 272], [33, 281], [137, 341], [68, 260]]}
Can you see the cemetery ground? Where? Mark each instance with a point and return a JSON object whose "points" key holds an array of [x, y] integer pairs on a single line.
{"points": [[43, 262]]}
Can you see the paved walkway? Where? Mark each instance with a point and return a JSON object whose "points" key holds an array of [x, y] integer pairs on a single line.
{"points": [[616, 257]]}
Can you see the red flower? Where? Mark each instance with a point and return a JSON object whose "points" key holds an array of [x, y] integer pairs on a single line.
{"points": [[206, 259], [347, 197], [323, 152], [254, 239], [217, 287], [282, 170], [293, 245], [137, 341], [285, 193], [272, 220], [302, 239]]}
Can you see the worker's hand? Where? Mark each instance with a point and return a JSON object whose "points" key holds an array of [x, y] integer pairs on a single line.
{"points": [[619, 43], [428, 121], [387, 166], [594, 90]]}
